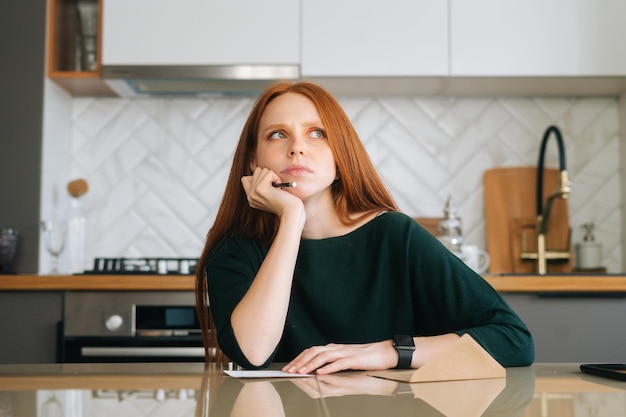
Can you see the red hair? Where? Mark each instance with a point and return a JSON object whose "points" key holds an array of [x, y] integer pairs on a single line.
{"points": [[358, 188]]}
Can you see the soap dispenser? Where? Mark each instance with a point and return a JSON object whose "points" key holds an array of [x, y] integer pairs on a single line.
{"points": [[450, 230], [588, 252]]}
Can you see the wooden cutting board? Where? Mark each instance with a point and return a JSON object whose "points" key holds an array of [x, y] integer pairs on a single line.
{"points": [[511, 218]]}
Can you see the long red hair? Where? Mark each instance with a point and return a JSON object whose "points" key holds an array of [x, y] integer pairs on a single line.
{"points": [[358, 189]]}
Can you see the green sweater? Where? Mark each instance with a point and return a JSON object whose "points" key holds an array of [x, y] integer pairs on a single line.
{"points": [[389, 276]]}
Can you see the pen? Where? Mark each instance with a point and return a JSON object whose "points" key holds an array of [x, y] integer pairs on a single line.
{"points": [[284, 184]]}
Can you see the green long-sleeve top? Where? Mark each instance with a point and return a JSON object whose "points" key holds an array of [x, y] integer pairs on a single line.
{"points": [[389, 276]]}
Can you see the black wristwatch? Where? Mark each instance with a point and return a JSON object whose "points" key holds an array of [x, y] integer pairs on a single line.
{"points": [[405, 346]]}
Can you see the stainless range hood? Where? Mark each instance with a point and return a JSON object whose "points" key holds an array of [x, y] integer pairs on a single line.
{"points": [[195, 79]]}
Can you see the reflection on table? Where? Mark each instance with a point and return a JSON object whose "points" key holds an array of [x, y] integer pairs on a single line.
{"points": [[176, 390]]}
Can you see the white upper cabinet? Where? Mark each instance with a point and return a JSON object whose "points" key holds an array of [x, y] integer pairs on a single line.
{"points": [[368, 38], [378, 46], [531, 38], [200, 32]]}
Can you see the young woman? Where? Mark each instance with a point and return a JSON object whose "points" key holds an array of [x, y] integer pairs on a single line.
{"points": [[325, 274]]}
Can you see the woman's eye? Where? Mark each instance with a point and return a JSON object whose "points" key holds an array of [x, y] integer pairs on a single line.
{"points": [[277, 135], [318, 133]]}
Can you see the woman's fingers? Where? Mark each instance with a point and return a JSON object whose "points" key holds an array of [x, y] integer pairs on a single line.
{"points": [[335, 357]]}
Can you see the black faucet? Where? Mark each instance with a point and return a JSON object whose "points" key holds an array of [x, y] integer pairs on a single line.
{"points": [[565, 184], [543, 214]]}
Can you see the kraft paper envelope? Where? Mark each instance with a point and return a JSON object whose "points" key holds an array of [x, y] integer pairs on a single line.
{"points": [[464, 359]]}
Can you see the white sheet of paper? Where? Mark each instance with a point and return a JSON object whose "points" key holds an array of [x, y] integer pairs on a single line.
{"points": [[265, 374]]}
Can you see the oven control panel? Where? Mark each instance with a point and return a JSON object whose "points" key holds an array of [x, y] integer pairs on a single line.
{"points": [[129, 313]]}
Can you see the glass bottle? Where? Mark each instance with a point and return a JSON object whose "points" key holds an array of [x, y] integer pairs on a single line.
{"points": [[450, 230], [76, 224]]}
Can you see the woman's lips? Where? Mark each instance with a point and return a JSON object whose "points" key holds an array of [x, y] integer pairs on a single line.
{"points": [[297, 171]]}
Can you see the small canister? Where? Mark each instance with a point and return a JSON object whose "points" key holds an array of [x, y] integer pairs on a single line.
{"points": [[588, 252]]}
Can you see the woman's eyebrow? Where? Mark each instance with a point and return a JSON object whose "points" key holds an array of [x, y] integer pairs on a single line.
{"points": [[317, 123], [274, 126]]}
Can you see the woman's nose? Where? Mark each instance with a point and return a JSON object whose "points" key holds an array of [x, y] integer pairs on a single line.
{"points": [[297, 147]]}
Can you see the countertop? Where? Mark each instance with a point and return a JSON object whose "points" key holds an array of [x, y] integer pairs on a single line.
{"points": [[607, 283], [191, 390], [26, 282]]}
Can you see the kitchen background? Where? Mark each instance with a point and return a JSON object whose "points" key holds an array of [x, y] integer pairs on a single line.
{"points": [[157, 166], [45, 143]]}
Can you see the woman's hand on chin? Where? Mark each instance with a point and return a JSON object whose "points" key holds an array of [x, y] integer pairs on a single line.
{"points": [[262, 195]]}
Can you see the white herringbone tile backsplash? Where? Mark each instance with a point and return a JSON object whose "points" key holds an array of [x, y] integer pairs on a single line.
{"points": [[157, 166]]}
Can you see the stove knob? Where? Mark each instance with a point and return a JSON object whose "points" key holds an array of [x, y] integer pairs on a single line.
{"points": [[162, 267], [114, 323]]}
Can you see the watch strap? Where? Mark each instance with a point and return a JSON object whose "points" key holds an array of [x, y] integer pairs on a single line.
{"points": [[405, 346]]}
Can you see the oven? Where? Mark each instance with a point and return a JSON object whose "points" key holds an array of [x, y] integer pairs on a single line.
{"points": [[130, 326]]}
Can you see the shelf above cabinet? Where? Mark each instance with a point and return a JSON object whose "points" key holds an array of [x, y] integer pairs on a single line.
{"points": [[67, 48], [82, 83]]}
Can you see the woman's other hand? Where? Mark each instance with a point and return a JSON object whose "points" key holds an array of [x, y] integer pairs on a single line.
{"points": [[369, 356], [336, 357]]}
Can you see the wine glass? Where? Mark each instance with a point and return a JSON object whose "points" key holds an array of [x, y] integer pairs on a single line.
{"points": [[54, 232]]}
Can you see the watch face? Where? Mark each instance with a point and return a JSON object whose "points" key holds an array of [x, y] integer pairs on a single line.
{"points": [[402, 340]]}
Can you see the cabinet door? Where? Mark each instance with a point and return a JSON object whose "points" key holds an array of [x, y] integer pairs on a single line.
{"points": [[538, 38], [374, 38], [200, 32]]}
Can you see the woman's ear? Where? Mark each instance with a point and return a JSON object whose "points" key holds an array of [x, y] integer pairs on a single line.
{"points": [[252, 164]]}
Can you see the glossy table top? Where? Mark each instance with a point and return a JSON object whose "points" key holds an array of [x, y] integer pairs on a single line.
{"points": [[174, 390]]}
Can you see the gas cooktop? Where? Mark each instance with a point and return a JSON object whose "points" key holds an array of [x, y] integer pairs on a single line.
{"points": [[147, 266]]}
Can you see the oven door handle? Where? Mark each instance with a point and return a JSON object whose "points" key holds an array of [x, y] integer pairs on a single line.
{"points": [[189, 352]]}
